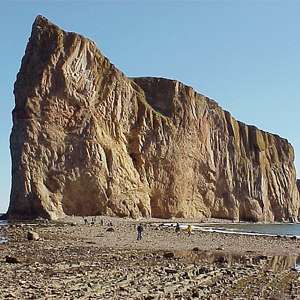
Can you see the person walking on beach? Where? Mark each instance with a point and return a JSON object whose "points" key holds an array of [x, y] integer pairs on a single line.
{"points": [[189, 230], [139, 230], [177, 228]]}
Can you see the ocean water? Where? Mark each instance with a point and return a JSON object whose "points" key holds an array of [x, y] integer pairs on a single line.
{"points": [[282, 229], [3, 222]]}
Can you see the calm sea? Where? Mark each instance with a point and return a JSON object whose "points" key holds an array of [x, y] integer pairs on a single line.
{"points": [[286, 229], [3, 222], [289, 229]]}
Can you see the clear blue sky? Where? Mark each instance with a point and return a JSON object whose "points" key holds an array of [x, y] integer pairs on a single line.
{"points": [[243, 54]]}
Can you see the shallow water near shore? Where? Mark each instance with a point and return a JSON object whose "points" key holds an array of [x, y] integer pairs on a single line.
{"points": [[3, 222], [283, 229], [228, 260], [264, 229]]}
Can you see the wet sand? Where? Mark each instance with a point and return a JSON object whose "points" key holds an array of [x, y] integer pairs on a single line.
{"points": [[72, 260]]}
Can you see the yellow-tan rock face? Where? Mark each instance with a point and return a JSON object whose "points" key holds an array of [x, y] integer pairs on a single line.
{"points": [[87, 140]]}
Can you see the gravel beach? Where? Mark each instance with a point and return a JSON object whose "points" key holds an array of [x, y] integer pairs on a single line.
{"points": [[68, 259]]}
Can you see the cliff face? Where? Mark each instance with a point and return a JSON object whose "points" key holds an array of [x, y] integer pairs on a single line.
{"points": [[88, 140]]}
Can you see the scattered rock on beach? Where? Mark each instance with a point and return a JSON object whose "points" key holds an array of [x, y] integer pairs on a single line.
{"points": [[169, 255], [11, 260], [221, 259], [171, 271], [32, 236], [10, 295]]}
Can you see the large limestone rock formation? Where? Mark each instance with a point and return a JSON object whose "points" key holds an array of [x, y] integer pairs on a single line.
{"points": [[88, 140]]}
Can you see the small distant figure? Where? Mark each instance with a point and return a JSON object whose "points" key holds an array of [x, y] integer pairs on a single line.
{"points": [[140, 231], [85, 221], [92, 221], [177, 228], [189, 230]]}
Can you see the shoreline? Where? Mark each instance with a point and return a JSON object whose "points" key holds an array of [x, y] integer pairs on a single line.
{"points": [[164, 238], [165, 225], [198, 225]]}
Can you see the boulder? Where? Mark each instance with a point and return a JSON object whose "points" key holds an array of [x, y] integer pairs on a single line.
{"points": [[32, 236], [12, 260], [171, 271], [169, 255]]}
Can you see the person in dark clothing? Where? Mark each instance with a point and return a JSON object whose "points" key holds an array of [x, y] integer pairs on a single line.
{"points": [[139, 230], [177, 228]]}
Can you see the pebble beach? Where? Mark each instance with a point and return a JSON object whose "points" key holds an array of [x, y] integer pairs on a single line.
{"points": [[67, 259]]}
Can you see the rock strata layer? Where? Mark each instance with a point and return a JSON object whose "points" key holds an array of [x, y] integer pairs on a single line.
{"points": [[87, 140]]}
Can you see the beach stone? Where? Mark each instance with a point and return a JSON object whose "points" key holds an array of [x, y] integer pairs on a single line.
{"points": [[263, 257], [10, 295], [110, 229], [197, 294], [32, 236], [188, 275], [202, 270], [171, 271], [221, 259], [150, 297], [12, 260], [169, 255]]}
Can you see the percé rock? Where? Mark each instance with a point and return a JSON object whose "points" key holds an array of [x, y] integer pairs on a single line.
{"points": [[87, 140]]}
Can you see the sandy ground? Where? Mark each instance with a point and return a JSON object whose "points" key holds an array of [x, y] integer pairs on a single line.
{"points": [[71, 260]]}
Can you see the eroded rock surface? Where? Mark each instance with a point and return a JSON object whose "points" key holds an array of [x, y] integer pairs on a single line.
{"points": [[88, 140]]}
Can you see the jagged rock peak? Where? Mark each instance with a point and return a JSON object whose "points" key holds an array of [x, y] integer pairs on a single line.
{"points": [[87, 140]]}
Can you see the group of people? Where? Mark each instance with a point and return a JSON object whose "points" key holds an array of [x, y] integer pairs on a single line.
{"points": [[94, 220], [189, 229], [140, 230]]}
